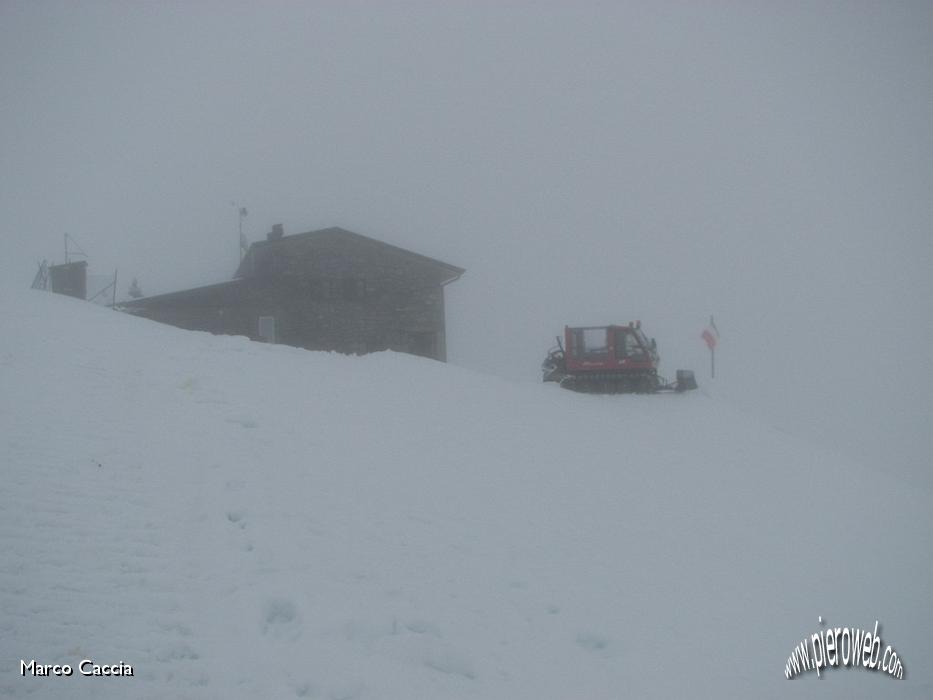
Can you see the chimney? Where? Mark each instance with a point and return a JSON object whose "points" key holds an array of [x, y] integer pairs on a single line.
{"points": [[277, 232]]}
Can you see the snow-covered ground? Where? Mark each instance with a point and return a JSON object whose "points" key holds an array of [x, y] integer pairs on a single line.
{"points": [[238, 520]]}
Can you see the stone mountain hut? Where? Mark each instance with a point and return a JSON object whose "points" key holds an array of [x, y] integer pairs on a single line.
{"points": [[323, 290]]}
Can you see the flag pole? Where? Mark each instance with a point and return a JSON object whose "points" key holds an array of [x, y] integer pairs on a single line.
{"points": [[711, 335], [240, 228], [712, 353], [241, 214]]}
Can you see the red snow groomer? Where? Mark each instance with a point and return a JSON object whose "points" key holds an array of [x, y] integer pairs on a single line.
{"points": [[610, 360]]}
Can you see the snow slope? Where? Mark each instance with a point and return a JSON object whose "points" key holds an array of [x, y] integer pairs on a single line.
{"points": [[238, 520]]}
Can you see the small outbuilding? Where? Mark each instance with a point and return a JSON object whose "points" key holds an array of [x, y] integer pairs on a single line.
{"points": [[330, 289]]}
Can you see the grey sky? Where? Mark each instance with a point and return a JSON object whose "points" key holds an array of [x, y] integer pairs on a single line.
{"points": [[771, 163]]}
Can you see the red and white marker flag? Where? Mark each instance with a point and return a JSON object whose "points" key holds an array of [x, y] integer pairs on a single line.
{"points": [[711, 335]]}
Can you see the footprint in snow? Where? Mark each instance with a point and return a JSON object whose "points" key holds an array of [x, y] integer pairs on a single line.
{"points": [[237, 517], [305, 690], [451, 663], [243, 422], [594, 643], [281, 620], [421, 627]]}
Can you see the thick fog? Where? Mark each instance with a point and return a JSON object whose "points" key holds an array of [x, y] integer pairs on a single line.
{"points": [[769, 163]]}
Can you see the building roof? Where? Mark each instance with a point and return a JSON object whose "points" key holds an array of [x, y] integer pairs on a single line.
{"points": [[210, 290], [310, 238], [449, 272]]}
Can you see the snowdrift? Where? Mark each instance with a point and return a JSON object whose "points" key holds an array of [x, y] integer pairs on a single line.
{"points": [[240, 520]]}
